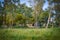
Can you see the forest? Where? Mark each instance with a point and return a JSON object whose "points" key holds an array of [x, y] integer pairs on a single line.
{"points": [[29, 16], [13, 13]]}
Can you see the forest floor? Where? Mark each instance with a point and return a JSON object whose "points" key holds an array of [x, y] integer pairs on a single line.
{"points": [[30, 34]]}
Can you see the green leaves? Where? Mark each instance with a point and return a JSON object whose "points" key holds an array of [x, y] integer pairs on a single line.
{"points": [[43, 16]]}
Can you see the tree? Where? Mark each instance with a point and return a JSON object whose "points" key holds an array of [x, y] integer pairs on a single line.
{"points": [[57, 10], [37, 6], [1, 13], [50, 12], [21, 19], [43, 17], [9, 8]]}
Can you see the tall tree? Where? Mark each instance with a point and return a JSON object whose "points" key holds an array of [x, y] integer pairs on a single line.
{"points": [[49, 17], [43, 17], [10, 7], [38, 4], [57, 9]]}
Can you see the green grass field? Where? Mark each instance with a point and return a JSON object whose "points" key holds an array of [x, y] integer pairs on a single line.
{"points": [[30, 34]]}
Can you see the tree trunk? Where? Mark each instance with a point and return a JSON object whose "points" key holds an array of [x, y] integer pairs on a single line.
{"points": [[48, 20], [36, 21]]}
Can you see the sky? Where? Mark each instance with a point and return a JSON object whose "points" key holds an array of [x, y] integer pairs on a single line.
{"points": [[25, 1], [44, 6]]}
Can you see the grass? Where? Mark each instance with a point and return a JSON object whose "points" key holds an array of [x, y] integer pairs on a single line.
{"points": [[30, 34]]}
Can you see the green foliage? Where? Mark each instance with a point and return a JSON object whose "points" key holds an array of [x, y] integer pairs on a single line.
{"points": [[31, 20], [9, 19], [22, 14], [1, 20], [43, 17], [58, 20], [56, 1], [26, 10], [57, 10], [20, 18]]}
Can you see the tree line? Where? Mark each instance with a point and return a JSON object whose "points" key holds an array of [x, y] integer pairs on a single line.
{"points": [[13, 13]]}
